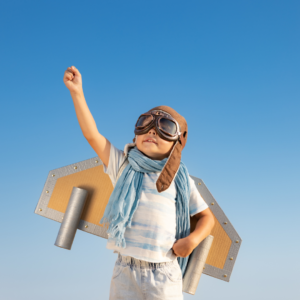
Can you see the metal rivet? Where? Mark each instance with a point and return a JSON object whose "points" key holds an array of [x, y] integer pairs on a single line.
{"points": [[199, 183], [225, 223], [203, 268], [53, 175], [86, 226], [96, 161], [237, 241], [40, 209], [225, 275], [62, 218], [47, 192], [212, 203], [231, 258], [75, 167]]}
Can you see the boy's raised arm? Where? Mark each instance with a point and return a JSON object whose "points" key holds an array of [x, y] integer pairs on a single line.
{"points": [[73, 81]]}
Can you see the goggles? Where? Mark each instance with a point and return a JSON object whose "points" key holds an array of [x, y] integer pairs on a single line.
{"points": [[166, 126]]}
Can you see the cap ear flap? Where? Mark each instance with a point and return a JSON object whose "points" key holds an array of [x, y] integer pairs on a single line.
{"points": [[133, 140], [170, 169]]}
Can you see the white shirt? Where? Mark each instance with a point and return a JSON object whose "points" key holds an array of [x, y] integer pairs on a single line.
{"points": [[153, 227]]}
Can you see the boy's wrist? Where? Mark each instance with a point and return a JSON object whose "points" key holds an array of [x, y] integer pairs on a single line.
{"points": [[76, 93], [193, 240]]}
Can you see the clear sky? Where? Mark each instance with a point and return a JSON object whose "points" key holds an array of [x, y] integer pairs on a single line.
{"points": [[230, 67]]}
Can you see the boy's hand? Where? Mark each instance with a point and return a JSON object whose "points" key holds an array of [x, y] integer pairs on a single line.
{"points": [[72, 80], [183, 247]]}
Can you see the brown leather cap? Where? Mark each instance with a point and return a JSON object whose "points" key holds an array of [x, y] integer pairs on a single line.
{"points": [[172, 165]]}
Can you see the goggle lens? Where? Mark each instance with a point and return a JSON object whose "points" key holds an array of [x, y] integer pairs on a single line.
{"points": [[167, 126], [144, 120]]}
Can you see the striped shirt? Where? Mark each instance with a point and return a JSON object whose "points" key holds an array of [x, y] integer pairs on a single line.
{"points": [[153, 228]]}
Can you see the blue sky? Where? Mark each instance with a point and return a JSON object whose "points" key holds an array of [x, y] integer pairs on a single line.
{"points": [[230, 67]]}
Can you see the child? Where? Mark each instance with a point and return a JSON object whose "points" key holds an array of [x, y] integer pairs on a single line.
{"points": [[154, 196]]}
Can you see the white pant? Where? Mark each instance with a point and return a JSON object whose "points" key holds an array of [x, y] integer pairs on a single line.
{"points": [[141, 280]]}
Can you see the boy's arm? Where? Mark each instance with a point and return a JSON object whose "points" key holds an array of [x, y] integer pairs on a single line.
{"points": [[205, 223], [184, 247], [73, 81]]}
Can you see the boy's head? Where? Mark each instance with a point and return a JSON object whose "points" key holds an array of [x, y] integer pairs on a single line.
{"points": [[161, 133]]}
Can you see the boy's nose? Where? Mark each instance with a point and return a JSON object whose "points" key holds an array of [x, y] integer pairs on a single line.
{"points": [[152, 131]]}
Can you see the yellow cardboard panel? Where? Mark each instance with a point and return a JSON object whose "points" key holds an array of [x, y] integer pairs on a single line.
{"points": [[218, 253], [99, 188]]}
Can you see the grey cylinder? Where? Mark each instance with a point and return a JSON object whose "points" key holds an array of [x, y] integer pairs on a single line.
{"points": [[71, 218], [195, 266]]}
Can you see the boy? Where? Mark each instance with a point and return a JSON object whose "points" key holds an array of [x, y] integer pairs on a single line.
{"points": [[149, 209]]}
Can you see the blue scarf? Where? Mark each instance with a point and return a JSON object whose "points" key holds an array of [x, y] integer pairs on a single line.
{"points": [[124, 199]]}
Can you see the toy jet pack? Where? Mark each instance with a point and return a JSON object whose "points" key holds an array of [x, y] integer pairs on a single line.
{"points": [[76, 196]]}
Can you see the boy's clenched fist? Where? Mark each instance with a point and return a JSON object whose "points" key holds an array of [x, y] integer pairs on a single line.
{"points": [[72, 80]]}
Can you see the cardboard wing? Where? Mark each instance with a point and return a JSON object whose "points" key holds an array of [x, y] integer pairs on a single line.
{"points": [[89, 175]]}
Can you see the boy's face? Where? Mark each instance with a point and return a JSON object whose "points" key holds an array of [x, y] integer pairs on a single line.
{"points": [[153, 146]]}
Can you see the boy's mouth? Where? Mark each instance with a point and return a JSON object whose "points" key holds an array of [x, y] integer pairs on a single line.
{"points": [[149, 141]]}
